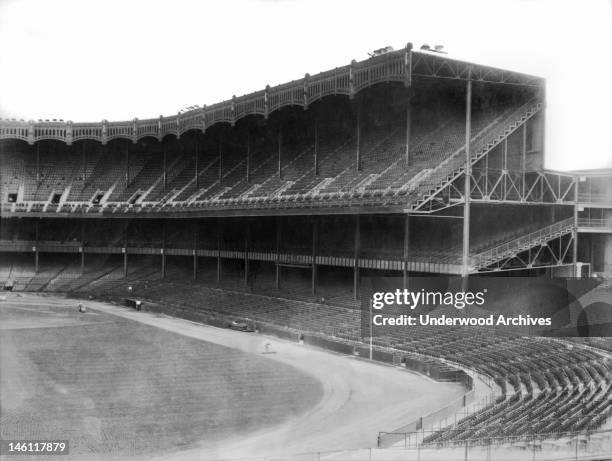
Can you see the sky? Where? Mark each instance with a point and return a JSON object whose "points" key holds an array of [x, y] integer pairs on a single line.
{"points": [[89, 60]]}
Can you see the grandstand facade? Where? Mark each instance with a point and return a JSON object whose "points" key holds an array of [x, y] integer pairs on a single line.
{"points": [[407, 163]]}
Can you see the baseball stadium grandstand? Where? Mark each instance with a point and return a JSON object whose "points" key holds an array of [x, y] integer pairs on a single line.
{"points": [[272, 207]]}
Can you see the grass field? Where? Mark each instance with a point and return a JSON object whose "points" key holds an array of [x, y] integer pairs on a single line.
{"points": [[115, 387]]}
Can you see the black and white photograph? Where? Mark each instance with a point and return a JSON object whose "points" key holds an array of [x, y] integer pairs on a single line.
{"points": [[306, 230]]}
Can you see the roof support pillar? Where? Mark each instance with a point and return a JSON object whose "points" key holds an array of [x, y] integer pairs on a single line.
{"points": [[316, 146], [195, 249], [247, 244], [37, 162], [357, 251], [406, 250], [575, 230], [523, 159], [358, 135], [127, 165], [467, 191], [315, 238], [125, 251], [36, 232], [82, 249], [219, 230], [279, 231], [83, 162], [163, 250], [408, 126]]}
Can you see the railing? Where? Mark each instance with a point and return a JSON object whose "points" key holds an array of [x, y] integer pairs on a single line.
{"points": [[522, 243]]}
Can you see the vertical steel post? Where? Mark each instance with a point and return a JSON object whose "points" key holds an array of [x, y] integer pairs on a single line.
{"points": [[356, 257], [219, 229], [36, 248], [82, 247], [38, 162], [279, 230], [358, 136], [468, 174], [83, 160], [575, 229], [406, 249], [195, 249], [408, 126], [315, 238], [316, 147], [125, 251], [127, 165], [523, 160], [163, 250], [247, 244]]}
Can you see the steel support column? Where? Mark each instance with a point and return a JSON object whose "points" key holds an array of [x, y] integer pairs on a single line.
{"points": [[523, 160], [279, 230], [163, 251], [219, 230], [468, 175], [406, 250], [38, 162], [195, 249], [358, 135], [247, 244], [125, 251], [82, 247], [356, 257], [575, 230], [83, 161], [316, 147], [127, 165], [408, 126], [315, 238], [36, 248]]}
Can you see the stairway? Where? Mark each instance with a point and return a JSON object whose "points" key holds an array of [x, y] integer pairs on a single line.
{"points": [[452, 168], [517, 245]]}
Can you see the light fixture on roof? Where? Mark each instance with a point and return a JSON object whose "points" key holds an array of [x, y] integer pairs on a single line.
{"points": [[439, 49], [436, 49], [378, 52]]}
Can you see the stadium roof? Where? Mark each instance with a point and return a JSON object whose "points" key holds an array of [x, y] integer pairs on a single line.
{"points": [[395, 66]]}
